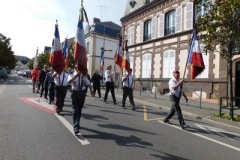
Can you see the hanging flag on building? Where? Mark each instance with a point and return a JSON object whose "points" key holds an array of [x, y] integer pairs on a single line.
{"points": [[56, 57], [80, 53], [35, 62], [119, 53], [65, 53], [195, 56], [126, 60], [102, 58]]}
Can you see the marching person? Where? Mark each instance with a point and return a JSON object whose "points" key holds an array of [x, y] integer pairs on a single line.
{"points": [[96, 78], [42, 78], [61, 82], [35, 73], [79, 88], [128, 85], [50, 85], [175, 87], [109, 84]]}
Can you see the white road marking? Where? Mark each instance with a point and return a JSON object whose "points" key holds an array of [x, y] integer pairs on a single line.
{"points": [[30, 86], [218, 131], [79, 137], [2, 88], [207, 138], [45, 104], [42, 102]]}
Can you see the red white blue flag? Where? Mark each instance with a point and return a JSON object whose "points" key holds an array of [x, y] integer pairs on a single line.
{"points": [[80, 53], [195, 56], [102, 59], [119, 55], [56, 57], [126, 60], [65, 53]]}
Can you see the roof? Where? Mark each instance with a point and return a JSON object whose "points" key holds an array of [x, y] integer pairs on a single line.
{"points": [[107, 28]]}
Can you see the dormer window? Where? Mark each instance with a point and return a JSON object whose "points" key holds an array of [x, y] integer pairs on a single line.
{"points": [[148, 1]]}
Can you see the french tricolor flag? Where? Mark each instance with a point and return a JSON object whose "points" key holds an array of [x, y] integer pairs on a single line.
{"points": [[102, 59], [80, 53], [56, 57]]}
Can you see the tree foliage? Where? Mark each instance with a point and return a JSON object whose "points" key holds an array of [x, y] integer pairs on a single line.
{"points": [[220, 28], [7, 58]]}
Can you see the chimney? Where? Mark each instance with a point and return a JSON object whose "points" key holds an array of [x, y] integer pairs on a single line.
{"points": [[95, 20]]}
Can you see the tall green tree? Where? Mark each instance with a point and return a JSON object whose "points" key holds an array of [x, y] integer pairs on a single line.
{"points": [[7, 58], [220, 27]]}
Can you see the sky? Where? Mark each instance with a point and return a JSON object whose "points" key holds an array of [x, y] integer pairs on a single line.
{"points": [[31, 23]]}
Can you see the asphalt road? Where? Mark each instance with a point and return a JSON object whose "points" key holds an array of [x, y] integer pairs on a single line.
{"points": [[31, 130]]}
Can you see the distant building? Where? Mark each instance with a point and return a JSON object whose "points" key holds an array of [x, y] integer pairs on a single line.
{"points": [[47, 49], [102, 34], [24, 60]]}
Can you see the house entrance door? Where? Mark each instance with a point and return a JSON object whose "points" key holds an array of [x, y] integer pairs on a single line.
{"points": [[237, 84]]}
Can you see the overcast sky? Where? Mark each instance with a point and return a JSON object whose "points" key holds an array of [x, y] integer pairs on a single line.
{"points": [[30, 23]]}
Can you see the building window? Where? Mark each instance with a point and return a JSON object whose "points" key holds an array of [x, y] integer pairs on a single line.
{"points": [[202, 8], [168, 63], [87, 47], [146, 65], [147, 30], [170, 23], [130, 35]]}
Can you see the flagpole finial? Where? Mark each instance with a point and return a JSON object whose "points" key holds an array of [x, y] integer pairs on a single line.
{"points": [[56, 23]]}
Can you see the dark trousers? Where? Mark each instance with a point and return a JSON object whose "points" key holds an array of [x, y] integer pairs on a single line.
{"points": [[175, 108], [78, 99], [61, 92], [44, 87], [128, 92], [51, 92], [110, 86], [98, 90]]}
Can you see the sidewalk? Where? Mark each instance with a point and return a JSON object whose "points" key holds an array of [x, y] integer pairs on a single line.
{"points": [[191, 108]]}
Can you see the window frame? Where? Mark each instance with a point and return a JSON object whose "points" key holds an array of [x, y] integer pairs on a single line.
{"points": [[170, 22]]}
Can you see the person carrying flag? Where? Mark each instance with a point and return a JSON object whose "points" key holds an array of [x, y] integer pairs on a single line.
{"points": [[175, 87]]}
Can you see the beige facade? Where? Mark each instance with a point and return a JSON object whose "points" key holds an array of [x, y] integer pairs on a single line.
{"points": [[159, 33], [94, 43]]}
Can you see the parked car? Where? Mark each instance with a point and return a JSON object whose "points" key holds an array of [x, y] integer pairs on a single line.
{"points": [[20, 73], [3, 74]]}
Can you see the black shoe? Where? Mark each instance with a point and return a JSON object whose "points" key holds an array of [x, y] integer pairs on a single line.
{"points": [[58, 111], [184, 126], [167, 121], [124, 107], [115, 103], [133, 108], [76, 131], [49, 102]]}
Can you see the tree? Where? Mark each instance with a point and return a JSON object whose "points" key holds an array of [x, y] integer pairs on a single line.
{"points": [[7, 58], [220, 26]]}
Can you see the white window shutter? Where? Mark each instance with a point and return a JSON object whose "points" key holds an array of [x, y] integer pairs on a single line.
{"points": [[189, 15], [165, 65], [132, 35], [141, 32], [129, 34], [154, 27], [178, 19], [161, 26]]}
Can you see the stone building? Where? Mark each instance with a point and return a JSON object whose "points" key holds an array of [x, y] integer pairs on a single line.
{"points": [[159, 32]]}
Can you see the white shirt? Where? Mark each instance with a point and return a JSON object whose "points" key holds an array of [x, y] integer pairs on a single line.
{"points": [[63, 80], [172, 82], [108, 78], [80, 82], [129, 81]]}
